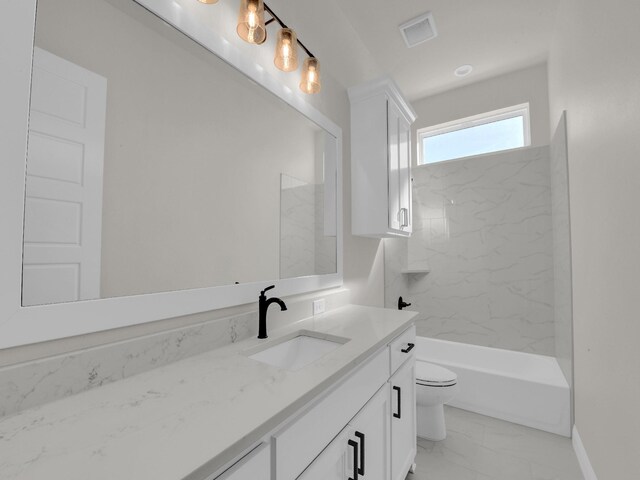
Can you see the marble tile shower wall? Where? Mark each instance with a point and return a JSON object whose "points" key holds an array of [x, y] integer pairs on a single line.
{"points": [[297, 230], [326, 251], [483, 227], [304, 248]]}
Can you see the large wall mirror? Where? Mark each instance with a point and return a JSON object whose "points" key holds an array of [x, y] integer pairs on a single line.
{"points": [[154, 167]]}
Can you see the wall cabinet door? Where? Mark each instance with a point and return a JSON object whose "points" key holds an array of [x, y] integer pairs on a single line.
{"points": [[399, 144], [380, 160], [404, 170], [403, 420]]}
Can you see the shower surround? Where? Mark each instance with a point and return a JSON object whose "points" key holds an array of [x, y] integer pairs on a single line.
{"points": [[483, 228]]}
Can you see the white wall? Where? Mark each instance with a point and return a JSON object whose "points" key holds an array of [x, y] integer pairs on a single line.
{"points": [[528, 85], [594, 73]]}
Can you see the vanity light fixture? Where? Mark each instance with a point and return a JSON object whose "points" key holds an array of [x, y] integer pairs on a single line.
{"points": [[208, 2], [310, 81], [252, 28]]}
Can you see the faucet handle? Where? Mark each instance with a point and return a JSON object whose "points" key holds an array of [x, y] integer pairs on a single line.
{"points": [[268, 288]]}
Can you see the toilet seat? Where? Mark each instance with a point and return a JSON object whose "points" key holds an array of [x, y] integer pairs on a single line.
{"points": [[430, 375]]}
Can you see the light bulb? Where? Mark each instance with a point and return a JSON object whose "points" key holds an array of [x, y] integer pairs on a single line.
{"points": [[286, 58], [251, 26], [310, 81]]}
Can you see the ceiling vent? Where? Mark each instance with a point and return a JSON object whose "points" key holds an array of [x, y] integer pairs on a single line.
{"points": [[418, 30]]}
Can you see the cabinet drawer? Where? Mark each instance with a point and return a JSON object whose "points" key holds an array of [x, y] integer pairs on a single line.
{"points": [[299, 443], [403, 342]]}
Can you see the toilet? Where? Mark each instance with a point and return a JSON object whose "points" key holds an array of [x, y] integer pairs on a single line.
{"points": [[435, 386]]}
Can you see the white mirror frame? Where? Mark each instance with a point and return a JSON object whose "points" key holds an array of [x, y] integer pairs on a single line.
{"points": [[25, 325]]}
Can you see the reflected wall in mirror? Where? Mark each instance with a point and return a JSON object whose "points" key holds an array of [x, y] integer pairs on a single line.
{"points": [[153, 165]]}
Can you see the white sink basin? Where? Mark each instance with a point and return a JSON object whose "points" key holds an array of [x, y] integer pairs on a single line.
{"points": [[297, 352]]}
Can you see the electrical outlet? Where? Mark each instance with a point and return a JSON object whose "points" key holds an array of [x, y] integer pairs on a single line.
{"points": [[319, 306]]}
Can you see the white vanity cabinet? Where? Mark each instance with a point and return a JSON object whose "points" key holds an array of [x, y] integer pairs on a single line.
{"points": [[351, 432], [380, 160], [361, 449], [403, 420], [256, 465]]}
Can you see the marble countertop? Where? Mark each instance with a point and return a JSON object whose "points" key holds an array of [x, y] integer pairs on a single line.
{"points": [[196, 414]]}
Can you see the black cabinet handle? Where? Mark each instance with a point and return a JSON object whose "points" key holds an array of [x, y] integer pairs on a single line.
{"points": [[409, 348], [399, 414], [361, 437], [354, 444]]}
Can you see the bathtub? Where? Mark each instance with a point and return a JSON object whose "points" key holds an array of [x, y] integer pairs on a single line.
{"points": [[518, 387]]}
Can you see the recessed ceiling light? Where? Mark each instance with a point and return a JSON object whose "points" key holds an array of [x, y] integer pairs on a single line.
{"points": [[463, 70]]}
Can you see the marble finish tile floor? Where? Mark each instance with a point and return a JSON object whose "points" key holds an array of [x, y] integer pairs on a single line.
{"points": [[484, 448]]}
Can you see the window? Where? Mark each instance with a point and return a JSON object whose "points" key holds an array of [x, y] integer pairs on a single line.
{"points": [[485, 133]]}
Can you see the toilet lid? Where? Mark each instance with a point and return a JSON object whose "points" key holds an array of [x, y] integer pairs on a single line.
{"points": [[430, 374]]}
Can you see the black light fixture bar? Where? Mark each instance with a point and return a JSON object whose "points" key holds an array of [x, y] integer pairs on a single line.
{"points": [[275, 18]]}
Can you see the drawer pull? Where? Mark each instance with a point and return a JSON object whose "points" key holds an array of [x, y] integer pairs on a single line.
{"points": [[409, 348], [361, 437], [354, 444], [399, 414]]}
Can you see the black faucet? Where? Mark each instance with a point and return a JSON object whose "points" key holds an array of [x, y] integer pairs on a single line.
{"points": [[263, 305], [402, 304]]}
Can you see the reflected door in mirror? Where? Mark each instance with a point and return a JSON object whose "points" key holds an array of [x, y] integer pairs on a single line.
{"points": [[63, 205]]}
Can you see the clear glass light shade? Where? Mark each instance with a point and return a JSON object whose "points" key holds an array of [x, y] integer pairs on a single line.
{"points": [[310, 81], [251, 27], [286, 58]]}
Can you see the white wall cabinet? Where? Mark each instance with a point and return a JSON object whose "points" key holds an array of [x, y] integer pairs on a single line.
{"points": [[380, 160]]}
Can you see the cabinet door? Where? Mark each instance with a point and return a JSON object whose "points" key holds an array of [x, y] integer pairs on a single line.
{"points": [[256, 465], [404, 174], [393, 141], [403, 420], [332, 463], [370, 429]]}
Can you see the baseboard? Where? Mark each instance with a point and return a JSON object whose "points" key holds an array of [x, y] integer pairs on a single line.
{"points": [[583, 458]]}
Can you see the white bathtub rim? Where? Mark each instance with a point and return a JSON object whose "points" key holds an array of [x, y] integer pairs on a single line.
{"points": [[560, 383], [557, 378]]}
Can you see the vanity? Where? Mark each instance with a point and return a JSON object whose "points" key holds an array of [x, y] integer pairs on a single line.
{"points": [[224, 415]]}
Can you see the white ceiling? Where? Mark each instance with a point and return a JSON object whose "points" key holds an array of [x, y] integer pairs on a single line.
{"points": [[495, 36]]}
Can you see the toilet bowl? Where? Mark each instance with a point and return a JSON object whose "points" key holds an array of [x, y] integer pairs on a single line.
{"points": [[435, 386]]}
